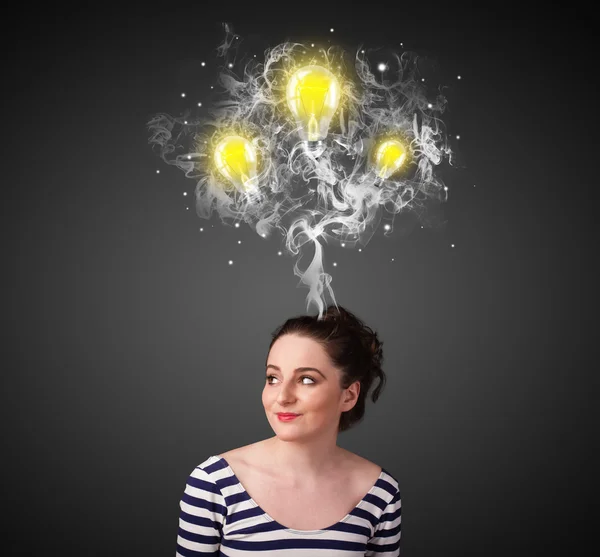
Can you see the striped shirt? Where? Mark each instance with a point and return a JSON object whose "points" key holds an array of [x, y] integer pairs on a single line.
{"points": [[218, 517]]}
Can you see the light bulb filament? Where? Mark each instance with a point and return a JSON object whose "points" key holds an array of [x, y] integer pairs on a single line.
{"points": [[313, 95], [235, 159], [389, 157]]}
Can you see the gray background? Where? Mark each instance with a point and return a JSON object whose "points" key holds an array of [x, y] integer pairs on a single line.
{"points": [[134, 351]]}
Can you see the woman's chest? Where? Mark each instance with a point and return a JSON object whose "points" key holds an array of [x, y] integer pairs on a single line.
{"points": [[300, 508]]}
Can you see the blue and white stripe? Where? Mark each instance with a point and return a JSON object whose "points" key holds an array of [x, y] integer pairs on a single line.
{"points": [[218, 517]]}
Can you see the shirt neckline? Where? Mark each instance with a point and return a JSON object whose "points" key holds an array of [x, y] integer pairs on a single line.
{"points": [[271, 519]]}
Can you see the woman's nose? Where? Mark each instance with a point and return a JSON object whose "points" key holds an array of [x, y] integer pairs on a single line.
{"points": [[286, 390]]}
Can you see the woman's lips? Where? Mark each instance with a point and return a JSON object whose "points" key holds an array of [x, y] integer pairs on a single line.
{"points": [[288, 417]]}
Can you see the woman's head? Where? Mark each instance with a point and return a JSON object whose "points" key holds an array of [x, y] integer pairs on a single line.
{"points": [[347, 353]]}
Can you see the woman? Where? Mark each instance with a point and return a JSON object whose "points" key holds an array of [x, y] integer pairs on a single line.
{"points": [[298, 491]]}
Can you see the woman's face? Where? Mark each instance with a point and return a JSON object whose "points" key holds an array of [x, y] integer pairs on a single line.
{"points": [[318, 397]]}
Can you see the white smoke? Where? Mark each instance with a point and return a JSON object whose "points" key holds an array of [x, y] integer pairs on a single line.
{"points": [[332, 195]]}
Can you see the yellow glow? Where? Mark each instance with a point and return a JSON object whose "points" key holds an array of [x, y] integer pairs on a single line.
{"points": [[313, 95], [389, 157], [235, 158]]}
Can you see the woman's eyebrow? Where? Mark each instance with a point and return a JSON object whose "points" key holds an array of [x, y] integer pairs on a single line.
{"points": [[298, 369]]}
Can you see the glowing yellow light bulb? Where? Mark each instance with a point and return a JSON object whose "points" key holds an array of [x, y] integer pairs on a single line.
{"points": [[389, 157], [235, 158], [313, 95]]}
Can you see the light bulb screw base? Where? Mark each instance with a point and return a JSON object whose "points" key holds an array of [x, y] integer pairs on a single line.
{"points": [[316, 147]]}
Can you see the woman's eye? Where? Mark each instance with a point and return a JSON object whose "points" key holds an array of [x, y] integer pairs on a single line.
{"points": [[301, 379]]}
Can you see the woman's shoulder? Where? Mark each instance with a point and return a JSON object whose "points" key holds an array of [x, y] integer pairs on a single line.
{"points": [[239, 453], [247, 456]]}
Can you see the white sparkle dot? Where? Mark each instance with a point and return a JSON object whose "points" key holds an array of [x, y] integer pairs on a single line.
{"points": [[264, 235], [331, 29], [445, 188], [381, 67], [392, 259], [387, 227], [211, 87], [311, 44], [185, 193], [230, 262], [359, 249], [255, 56], [421, 227], [452, 245], [189, 157], [422, 79], [343, 245], [202, 230], [278, 253], [199, 104], [401, 44], [474, 186], [458, 77], [203, 64], [237, 224], [230, 65], [185, 121], [458, 137], [239, 241], [429, 105], [334, 264], [187, 208], [183, 94], [362, 51], [158, 171]]}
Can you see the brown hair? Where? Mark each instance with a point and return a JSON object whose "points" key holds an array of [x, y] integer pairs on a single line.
{"points": [[353, 347]]}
